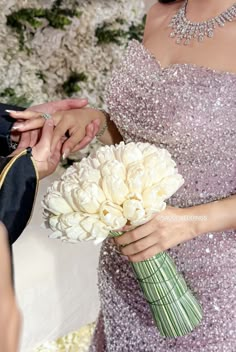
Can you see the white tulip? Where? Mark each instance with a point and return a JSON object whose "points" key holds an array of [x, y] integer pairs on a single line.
{"points": [[97, 229], [113, 167], [147, 149], [88, 174], [157, 168], [112, 216], [56, 204], [128, 153], [71, 219], [67, 192], [89, 197], [76, 233], [153, 198], [136, 177], [170, 185], [53, 222], [70, 174], [114, 189], [103, 154], [133, 210]]}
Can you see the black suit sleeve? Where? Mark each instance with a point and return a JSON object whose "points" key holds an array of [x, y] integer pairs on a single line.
{"points": [[18, 187], [6, 123]]}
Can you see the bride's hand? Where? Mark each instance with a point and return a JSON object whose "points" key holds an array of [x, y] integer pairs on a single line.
{"points": [[165, 230], [76, 123], [67, 123], [26, 130]]}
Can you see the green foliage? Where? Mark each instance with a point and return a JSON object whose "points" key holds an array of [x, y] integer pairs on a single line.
{"points": [[72, 86], [32, 19], [11, 98], [136, 32], [41, 76], [106, 35]]}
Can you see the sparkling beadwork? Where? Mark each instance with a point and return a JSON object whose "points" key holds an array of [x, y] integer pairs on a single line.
{"points": [[191, 111]]}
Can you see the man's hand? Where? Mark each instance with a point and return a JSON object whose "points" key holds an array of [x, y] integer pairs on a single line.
{"points": [[46, 161]]}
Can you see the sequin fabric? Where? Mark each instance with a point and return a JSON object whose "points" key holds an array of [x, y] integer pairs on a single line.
{"points": [[191, 111]]}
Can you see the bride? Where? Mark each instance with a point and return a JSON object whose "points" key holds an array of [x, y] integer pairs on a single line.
{"points": [[176, 90]]}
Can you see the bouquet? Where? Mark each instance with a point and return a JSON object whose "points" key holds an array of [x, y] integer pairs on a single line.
{"points": [[125, 185]]}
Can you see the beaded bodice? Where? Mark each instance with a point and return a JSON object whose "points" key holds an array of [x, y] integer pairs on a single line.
{"points": [[189, 110]]}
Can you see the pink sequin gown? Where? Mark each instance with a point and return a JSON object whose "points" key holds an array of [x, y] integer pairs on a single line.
{"points": [[191, 111]]}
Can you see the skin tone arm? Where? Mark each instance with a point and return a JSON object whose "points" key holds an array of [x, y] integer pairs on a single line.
{"points": [[175, 226], [10, 318]]}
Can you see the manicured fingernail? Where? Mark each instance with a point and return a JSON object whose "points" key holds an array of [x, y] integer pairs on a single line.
{"points": [[9, 111], [17, 126], [65, 154], [13, 111]]}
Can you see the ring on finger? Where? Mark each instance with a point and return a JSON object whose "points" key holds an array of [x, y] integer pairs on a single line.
{"points": [[46, 116]]}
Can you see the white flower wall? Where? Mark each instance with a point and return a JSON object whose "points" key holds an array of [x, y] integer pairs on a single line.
{"points": [[40, 62]]}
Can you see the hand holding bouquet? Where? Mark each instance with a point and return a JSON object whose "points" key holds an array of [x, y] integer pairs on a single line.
{"points": [[125, 185]]}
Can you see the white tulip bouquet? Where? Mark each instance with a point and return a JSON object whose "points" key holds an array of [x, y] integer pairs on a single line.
{"points": [[125, 185]]}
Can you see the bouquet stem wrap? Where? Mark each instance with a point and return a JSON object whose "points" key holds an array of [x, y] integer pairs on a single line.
{"points": [[175, 310]]}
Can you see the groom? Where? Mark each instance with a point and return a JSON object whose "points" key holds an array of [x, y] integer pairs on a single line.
{"points": [[12, 208]]}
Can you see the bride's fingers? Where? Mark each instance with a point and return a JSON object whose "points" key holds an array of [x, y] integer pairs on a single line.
{"points": [[25, 115], [59, 132], [71, 142], [91, 131], [29, 125]]}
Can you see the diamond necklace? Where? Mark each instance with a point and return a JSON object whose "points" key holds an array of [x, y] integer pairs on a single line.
{"points": [[185, 31]]}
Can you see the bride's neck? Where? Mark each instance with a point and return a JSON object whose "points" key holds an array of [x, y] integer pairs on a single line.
{"points": [[201, 10]]}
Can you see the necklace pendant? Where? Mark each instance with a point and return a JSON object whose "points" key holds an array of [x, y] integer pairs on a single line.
{"points": [[210, 34], [178, 40], [187, 41]]}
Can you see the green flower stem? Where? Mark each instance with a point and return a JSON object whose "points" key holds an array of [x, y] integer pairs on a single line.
{"points": [[175, 310]]}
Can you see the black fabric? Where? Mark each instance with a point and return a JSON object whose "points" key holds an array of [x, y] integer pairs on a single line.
{"points": [[6, 123], [17, 195]]}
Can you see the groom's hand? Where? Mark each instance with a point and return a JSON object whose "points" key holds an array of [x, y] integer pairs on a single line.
{"points": [[30, 129]]}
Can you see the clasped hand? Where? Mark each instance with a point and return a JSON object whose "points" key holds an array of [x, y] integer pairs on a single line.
{"points": [[71, 128]]}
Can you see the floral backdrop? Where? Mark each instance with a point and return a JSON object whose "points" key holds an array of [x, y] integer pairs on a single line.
{"points": [[55, 49]]}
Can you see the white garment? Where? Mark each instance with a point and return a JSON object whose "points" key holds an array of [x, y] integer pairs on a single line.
{"points": [[55, 282]]}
